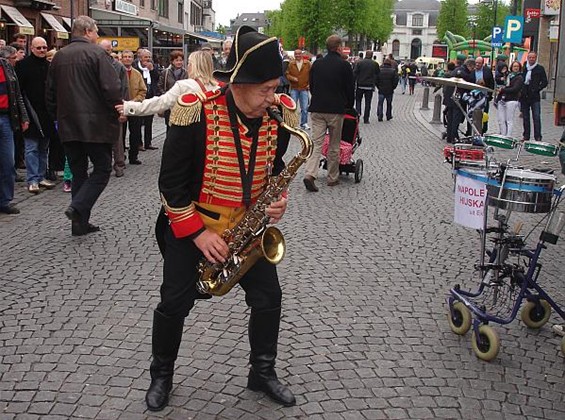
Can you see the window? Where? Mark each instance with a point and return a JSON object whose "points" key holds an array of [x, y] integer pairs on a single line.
{"points": [[153, 4], [180, 12], [195, 14], [416, 32], [396, 48], [141, 3], [401, 18], [163, 8], [418, 20]]}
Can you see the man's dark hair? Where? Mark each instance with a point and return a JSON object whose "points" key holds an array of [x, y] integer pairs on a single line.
{"points": [[17, 46], [451, 66], [18, 36], [368, 54]]}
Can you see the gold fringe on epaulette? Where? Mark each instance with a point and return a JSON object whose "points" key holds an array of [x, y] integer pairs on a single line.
{"points": [[183, 115], [290, 117]]}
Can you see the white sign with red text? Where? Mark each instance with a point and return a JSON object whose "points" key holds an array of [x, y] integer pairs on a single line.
{"points": [[470, 197]]}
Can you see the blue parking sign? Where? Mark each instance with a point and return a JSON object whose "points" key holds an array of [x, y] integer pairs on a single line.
{"points": [[496, 38], [513, 29]]}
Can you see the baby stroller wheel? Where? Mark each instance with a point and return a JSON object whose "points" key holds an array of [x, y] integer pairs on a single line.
{"points": [[459, 318], [536, 313], [358, 170], [487, 345]]}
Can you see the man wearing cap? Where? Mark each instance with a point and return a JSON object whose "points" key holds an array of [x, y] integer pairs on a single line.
{"points": [[208, 48], [219, 151]]}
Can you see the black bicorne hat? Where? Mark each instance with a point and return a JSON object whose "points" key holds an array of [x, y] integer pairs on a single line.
{"points": [[254, 58]]}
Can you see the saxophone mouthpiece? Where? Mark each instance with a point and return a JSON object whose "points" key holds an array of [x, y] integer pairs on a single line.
{"points": [[275, 114]]}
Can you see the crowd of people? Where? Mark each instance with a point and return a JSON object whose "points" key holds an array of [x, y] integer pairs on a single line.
{"points": [[31, 137]]}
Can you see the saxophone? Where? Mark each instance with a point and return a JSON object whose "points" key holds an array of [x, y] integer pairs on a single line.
{"points": [[251, 238]]}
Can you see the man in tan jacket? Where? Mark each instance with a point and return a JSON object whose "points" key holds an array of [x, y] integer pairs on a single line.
{"points": [[298, 74], [137, 92]]}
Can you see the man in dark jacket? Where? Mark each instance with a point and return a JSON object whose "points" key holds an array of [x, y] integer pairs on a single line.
{"points": [[387, 81], [13, 117], [365, 73], [82, 91], [454, 114], [535, 80], [32, 75], [332, 88]]}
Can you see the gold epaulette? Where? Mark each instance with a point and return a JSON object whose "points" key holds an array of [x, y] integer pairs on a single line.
{"points": [[188, 108], [288, 108]]}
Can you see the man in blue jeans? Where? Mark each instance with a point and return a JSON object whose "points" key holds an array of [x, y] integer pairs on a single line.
{"points": [[298, 74], [32, 76], [13, 116], [387, 81], [535, 80]]}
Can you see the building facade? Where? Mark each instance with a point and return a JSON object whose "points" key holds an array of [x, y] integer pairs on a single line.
{"points": [[258, 21], [414, 29], [160, 25]]}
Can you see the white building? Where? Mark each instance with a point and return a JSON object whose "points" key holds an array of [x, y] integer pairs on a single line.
{"points": [[414, 28]]}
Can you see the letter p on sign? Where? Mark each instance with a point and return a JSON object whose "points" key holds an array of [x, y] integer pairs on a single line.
{"points": [[513, 29]]}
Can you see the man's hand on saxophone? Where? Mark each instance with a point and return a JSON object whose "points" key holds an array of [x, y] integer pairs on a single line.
{"points": [[276, 210], [212, 246]]}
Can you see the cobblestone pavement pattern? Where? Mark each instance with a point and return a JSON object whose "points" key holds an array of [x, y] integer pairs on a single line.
{"points": [[364, 331]]}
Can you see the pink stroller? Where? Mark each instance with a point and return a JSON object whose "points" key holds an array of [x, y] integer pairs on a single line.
{"points": [[350, 141]]}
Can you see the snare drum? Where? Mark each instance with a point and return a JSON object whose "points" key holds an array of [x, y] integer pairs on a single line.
{"points": [[523, 191], [541, 148], [463, 152], [503, 142]]}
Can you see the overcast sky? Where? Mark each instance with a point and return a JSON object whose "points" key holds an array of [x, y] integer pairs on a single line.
{"points": [[228, 9]]}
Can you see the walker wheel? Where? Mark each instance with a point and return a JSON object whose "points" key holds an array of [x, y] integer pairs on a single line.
{"points": [[358, 170], [487, 345], [459, 318], [536, 313]]}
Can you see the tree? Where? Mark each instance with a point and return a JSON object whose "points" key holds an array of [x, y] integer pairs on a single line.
{"points": [[452, 17], [485, 18]]}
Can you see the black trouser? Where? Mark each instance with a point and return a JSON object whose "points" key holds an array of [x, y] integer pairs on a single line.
{"points": [[147, 130], [56, 154], [454, 118], [134, 124], [87, 189], [178, 290], [359, 94]]}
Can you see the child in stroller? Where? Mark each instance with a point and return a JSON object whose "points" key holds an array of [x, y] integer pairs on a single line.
{"points": [[350, 141]]}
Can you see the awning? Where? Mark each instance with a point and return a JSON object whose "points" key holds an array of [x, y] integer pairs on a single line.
{"points": [[55, 25], [164, 28], [111, 18], [21, 22], [67, 21], [209, 39]]}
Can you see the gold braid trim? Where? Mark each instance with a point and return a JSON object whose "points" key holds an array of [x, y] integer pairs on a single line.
{"points": [[290, 117], [289, 109], [187, 109]]}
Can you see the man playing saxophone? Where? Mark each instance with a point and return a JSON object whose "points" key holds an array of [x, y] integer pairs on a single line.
{"points": [[219, 152]]}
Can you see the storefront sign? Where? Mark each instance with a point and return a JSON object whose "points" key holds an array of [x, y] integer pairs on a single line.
{"points": [[550, 7], [125, 7], [122, 43], [470, 195], [532, 13]]}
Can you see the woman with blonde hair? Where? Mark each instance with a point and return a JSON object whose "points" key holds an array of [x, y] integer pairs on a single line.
{"points": [[200, 69]]}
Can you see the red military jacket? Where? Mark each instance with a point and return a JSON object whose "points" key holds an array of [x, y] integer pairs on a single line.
{"points": [[200, 180]]}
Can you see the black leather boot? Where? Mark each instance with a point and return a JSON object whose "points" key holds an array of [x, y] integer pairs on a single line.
{"points": [[263, 338], [167, 334]]}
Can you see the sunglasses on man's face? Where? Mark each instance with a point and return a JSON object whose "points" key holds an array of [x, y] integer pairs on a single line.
{"points": [[40, 48]]}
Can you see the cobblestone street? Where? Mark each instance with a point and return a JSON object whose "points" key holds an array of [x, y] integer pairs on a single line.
{"points": [[364, 333]]}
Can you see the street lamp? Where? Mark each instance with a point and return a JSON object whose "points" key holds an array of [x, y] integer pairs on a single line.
{"points": [[494, 9]]}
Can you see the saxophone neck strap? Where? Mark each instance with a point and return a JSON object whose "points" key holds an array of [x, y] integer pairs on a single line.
{"points": [[246, 175]]}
